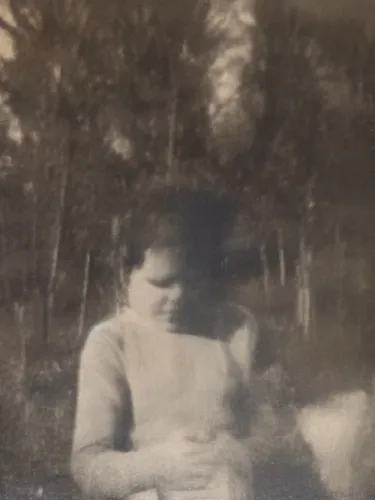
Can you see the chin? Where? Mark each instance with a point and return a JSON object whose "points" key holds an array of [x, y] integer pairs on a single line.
{"points": [[169, 320]]}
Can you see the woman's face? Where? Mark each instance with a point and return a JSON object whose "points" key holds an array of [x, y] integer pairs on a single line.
{"points": [[159, 288]]}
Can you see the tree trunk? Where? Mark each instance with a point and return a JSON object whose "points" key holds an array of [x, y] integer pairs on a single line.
{"points": [[265, 268], [340, 255], [85, 288], [304, 300], [34, 244], [7, 288], [172, 119], [55, 257], [304, 303], [281, 251], [116, 263], [19, 314]]}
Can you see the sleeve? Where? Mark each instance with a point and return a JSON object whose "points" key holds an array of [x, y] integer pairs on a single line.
{"points": [[103, 414], [102, 409]]}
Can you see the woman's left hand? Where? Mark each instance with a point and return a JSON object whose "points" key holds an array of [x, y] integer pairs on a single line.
{"points": [[234, 453], [230, 451]]}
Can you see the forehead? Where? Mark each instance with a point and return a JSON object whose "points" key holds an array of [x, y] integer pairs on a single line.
{"points": [[163, 263]]}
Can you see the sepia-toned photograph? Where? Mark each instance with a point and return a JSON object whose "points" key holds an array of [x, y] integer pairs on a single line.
{"points": [[187, 249]]}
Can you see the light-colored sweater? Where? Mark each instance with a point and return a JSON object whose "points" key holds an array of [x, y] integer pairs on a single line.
{"points": [[137, 385]]}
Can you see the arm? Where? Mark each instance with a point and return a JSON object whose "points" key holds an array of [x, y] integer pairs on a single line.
{"points": [[103, 411], [242, 449]]}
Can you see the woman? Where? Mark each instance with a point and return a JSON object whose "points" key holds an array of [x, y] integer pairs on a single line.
{"points": [[163, 395]]}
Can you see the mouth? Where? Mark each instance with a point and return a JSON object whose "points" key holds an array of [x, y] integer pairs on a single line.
{"points": [[169, 313]]}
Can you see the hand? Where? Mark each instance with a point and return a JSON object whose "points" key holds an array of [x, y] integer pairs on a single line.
{"points": [[183, 464], [234, 454]]}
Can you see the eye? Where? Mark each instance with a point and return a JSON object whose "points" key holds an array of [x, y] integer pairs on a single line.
{"points": [[165, 283]]}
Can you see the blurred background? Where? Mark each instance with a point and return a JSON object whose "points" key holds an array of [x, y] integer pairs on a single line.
{"points": [[272, 102]]}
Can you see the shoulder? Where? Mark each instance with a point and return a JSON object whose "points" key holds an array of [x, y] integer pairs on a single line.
{"points": [[112, 331], [106, 339], [239, 323], [243, 336], [247, 319]]}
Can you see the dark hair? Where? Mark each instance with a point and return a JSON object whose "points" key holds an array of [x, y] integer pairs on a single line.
{"points": [[196, 219]]}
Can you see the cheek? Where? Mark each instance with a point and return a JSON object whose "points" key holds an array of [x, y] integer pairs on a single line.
{"points": [[137, 292], [145, 296], [155, 298]]}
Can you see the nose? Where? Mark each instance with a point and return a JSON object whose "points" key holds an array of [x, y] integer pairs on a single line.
{"points": [[175, 293]]}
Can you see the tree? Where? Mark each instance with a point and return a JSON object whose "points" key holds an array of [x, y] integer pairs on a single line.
{"points": [[97, 119]]}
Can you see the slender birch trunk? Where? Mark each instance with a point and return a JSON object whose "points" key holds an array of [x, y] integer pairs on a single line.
{"points": [[303, 287], [281, 252], [34, 243], [84, 294], [19, 315], [265, 268], [55, 256], [4, 251], [340, 254], [115, 262], [304, 292], [172, 120]]}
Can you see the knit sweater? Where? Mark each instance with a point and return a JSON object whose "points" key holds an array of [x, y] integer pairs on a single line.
{"points": [[138, 384]]}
